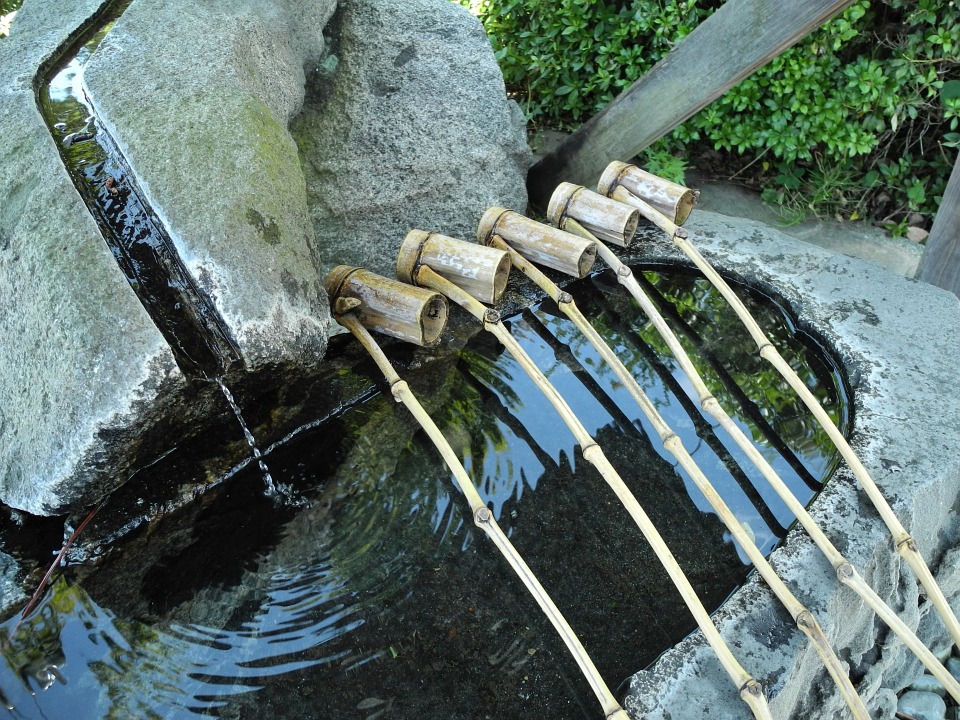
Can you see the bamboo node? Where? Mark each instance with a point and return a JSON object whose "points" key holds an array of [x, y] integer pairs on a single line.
{"points": [[611, 177], [491, 317], [806, 621], [845, 571], [752, 687], [681, 233], [624, 271], [482, 516], [908, 543], [559, 204], [564, 298]]}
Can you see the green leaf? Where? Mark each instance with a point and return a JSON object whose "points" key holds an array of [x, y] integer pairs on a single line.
{"points": [[916, 194], [950, 90]]}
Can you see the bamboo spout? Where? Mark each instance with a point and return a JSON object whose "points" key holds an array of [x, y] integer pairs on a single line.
{"points": [[548, 245], [668, 198], [348, 310], [805, 621], [479, 270], [846, 573], [750, 691], [902, 540]]}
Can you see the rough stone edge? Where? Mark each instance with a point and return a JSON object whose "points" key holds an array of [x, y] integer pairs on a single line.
{"points": [[36, 41], [862, 312], [430, 179], [262, 340]]}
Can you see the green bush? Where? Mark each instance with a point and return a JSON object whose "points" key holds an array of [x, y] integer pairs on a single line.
{"points": [[8, 6], [859, 118]]}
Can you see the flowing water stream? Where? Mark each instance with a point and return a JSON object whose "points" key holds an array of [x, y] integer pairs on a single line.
{"points": [[143, 249], [184, 315], [271, 488]]}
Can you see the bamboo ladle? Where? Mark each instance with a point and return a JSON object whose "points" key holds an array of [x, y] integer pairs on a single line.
{"points": [[618, 182], [576, 209], [362, 300], [450, 266], [523, 238]]}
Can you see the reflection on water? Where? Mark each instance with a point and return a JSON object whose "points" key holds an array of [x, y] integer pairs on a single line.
{"points": [[379, 599]]}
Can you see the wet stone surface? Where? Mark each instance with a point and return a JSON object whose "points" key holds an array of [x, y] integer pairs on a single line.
{"points": [[922, 705]]}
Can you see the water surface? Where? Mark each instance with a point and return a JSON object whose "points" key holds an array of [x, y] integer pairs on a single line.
{"points": [[380, 598]]}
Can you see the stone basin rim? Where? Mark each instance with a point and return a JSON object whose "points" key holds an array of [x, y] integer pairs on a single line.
{"points": [[871, 320]]}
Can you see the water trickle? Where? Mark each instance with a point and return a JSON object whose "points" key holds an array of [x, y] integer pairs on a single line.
{"points": [[271, 488]]}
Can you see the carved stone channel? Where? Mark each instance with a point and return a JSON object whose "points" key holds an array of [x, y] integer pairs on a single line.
{"points": [[183, 314]]}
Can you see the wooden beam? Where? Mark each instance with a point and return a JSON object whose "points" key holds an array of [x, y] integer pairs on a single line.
{"points": [[727, 47], [940, 264]]}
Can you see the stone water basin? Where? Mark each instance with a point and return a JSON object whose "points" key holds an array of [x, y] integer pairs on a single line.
{"points": [[379, 599], [897, 341]]}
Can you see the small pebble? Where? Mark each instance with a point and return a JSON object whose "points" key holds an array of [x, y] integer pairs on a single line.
{"points": [[922, 705], [953, 665], [928, 683], [942, 655]]}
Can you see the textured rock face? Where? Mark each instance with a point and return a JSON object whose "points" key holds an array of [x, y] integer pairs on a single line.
{"points": [[410, 128], [898, 341], [198, 99], [89, 389], [80, 359]]}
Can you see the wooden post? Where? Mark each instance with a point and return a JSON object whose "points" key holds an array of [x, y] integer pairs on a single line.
{"points": [[727, 47], [940, 264]]}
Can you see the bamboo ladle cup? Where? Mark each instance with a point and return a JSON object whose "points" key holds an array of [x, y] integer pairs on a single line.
{"points": [[572, 212], [670, 199], [618, 190], [362, 300], [420, 253], [519, 236]]}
